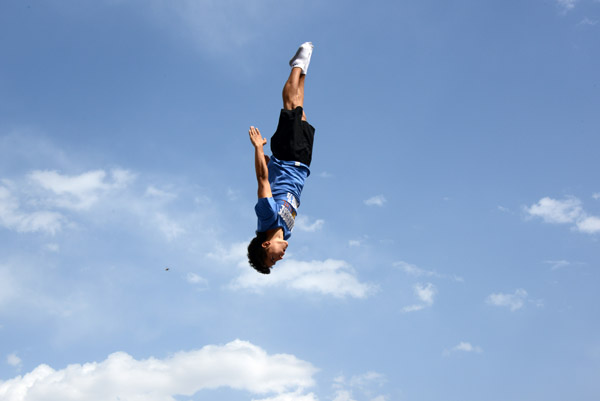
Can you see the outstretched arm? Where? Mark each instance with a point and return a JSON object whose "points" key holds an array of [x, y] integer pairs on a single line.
{"points": [[260, 163]]}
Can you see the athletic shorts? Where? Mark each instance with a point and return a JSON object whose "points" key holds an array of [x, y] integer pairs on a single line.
{"points": [[293, 140]]}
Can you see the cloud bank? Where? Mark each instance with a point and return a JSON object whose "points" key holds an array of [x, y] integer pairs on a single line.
{"points": [[238, 365]]}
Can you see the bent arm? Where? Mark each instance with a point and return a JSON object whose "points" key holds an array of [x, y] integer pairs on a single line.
{"points": [[260, 163]]}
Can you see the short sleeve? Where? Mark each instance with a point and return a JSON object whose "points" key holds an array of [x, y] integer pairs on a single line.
{"points": [[266, 211]]}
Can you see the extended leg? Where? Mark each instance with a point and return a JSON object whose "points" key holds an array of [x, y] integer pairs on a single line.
{"points": [[293, 90]]}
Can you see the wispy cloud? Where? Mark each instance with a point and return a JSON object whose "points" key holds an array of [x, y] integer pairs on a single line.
{"points": [[197, 280], [328, 277], [557, 264], [158, 193], [22, 288], [219, 27], [565, 211], [562, 264], [295, 396], [304, 223], [378, 200], [52, 247], [14, 360], [81, 191], [512, 301], [425, 293], [415, 271], [566, 5], [50, 202], [40, 202], [464, 347], [238, 365], [367, 384], [587, 22], [13, 217], [170, 228]]}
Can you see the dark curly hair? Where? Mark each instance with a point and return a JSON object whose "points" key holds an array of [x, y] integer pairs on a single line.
{"points": [[257, 254]]}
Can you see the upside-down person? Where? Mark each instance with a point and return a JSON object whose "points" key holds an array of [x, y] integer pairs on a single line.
{"points": [[281, 177]]}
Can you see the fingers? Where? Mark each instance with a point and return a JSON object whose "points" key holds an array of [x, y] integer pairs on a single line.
{"points": [[256, 137], [254, 132]]}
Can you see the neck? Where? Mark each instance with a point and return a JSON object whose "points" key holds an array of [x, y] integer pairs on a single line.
{"points": [[275, 233]]}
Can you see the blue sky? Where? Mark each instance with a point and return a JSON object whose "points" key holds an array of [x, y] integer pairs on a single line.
{"points": [[447, 243]]}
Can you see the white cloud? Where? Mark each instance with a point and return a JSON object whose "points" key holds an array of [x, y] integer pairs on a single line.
{"points": [[160, 194], [233, 194], [378, 200], [416, 271], [233, 254], [13, 218], [170, 228], [464, 347], [413, 270], [366, 380], [52, 247], [79, 192], [328, 277], [566, 211], [425, 293], [513, 301], [566, 4], [303, 223], [366, 384], [343, 395], [557, 211], [14, 360], [290, 397], [588, 22], [596, 195], [238, 365], [197, 280], [354, 242], [557, 264], [48, 201], [220, 27], [589, 224], [28, 292]]}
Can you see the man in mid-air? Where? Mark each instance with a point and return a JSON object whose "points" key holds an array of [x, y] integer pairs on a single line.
{"points": [[281, 177]]}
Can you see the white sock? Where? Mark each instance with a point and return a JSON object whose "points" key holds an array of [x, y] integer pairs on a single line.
{"points": [[302, 57]]}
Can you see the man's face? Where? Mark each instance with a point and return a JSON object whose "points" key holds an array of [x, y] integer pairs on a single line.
{"points": [[275, 251]]}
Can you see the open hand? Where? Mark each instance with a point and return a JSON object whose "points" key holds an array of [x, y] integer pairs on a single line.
{"points": [[256, 138]]}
